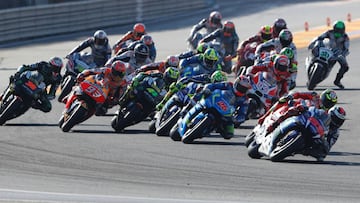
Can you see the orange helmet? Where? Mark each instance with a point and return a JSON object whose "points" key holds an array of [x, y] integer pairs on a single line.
{"points": [[139, 30], [118, 70]]}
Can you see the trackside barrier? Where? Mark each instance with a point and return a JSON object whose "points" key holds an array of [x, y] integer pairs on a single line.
{"points": [[46, 20]]}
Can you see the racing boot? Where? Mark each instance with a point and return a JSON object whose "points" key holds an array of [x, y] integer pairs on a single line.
{"points": [[337, 81]]}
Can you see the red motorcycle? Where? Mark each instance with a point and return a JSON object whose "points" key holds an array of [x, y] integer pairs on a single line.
{"points": [[262, 94], [246, 58], [82, 102]]}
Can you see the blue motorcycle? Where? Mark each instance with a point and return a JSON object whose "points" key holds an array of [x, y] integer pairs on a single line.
{"points": [[210, 113]]}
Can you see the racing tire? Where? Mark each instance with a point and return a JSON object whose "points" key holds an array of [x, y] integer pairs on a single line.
{"points": [[196, 131], [174, 133], [75, 118], [315, 75], [66, 88], [253, 150], [249, 138], [288, 148], [166, 125], [12, 107]]}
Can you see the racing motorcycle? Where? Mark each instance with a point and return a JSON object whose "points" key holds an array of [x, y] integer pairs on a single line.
{"points": [[246, 59], [146, 95], [295, 135], [83, 101], [262, 94], [178, 103], [20, 95], [319, 64], [210, 113], [268, 121], [77, 62]]}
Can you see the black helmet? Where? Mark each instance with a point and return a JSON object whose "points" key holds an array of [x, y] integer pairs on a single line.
{"points": [[141, 52], [328, 99]]}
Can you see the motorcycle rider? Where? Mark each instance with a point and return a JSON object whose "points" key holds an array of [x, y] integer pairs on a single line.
{"points": [[99, 45], [285, 39], [292, 67], [135, 59], [201, 48], [278, 26], [170, 75], [279, 70], [133, 35], [339, 43], [50, 72], [331, 122], [238, 88], [262, 36], [113, 79], [325, 100], [145, 39], [210, 24], [208, 62], [170, 61], [228, 39]]}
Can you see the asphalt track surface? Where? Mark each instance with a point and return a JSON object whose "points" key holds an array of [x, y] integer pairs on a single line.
{"points": [[40, 163]]}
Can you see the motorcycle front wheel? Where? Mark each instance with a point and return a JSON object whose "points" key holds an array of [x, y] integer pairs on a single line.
{"points": [[197, 130]]}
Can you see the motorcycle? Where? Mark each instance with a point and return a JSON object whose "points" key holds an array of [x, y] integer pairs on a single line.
{"points": [[147, 94], [259, 129], [208, 114], [295, 135], [82, 102], [262, 94], [171, 112], [246, 59], [22, 92], [319, 64], [77, 63]]}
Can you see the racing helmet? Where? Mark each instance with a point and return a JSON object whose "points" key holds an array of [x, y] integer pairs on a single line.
{"points": [[211, 57], [266, 32], [100, 38], [229, 28], [215, 18], [279, 24], [339, 28], [241, 85], [147, 40], [285, 37], [218, 76], [141, 53], [201, 48], [328, 99], [287, 52], [138, 30], [338, 116], [56, 64], [281, 65], [118, 70], [171, 75], [172, 61]]}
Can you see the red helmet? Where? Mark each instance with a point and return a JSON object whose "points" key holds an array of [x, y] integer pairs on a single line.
{"points": [[281, 66], [172, 61], [139, 30], [266, 32], [215, 17], [118, 70], [229, 27]]}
